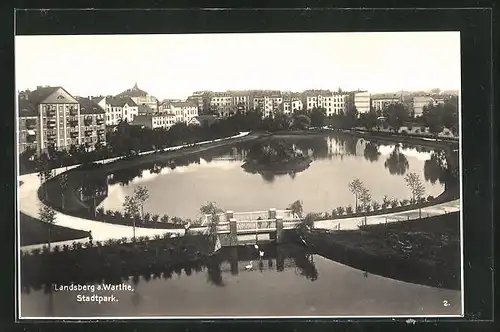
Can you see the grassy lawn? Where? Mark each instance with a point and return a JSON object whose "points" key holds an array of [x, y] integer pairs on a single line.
{"points": [[425, 251], [34, 231]]}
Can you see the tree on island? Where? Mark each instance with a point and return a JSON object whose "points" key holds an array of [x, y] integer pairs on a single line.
{"points": [[301, 122], [47, 215], [356, 188], [417, 188], [432, 118]]}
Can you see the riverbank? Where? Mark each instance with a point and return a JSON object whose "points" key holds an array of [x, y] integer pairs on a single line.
{"points": [[33, 231], [425, 251], [113, 261]]}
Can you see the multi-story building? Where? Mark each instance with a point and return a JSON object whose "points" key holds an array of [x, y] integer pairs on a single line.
{"points": [[290, 106], [154, 121], [203, 120], [418, 103], [382, 101], [92, 123], [145, 110], [362, 101], [140, 97], [240, 101], [202, 99], [48, 117], [332, 102], [117, 109], [183, 111], [222, 103]]}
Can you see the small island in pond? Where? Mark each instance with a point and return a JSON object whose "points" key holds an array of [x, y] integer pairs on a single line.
{"points": [[277, 157]]}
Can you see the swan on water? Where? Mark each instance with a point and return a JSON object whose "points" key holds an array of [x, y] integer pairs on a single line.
{"points": [[261, 254], [249, 266], [256, 246]]}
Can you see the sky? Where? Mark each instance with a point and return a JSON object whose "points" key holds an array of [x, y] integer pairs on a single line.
{"points": [[175, 65]]}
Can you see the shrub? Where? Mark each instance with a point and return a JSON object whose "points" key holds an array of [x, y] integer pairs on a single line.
{"points": [[108, 215], [164, 218], [394, 203], [348, 209], [430, 198], [65, 248], [386, 202], [99, 211], [404, 132], [421, 200], [157, 237], [36, 251], [417, 131], [404, 202], [124, 240], [155, 218], [166, 236], [359, 208], [117, 215], [176, 221], [57, 248], [368, 208], [334, 212], [375, 206], [108, 242], [340, 210], [147, 218], [98, 244]]}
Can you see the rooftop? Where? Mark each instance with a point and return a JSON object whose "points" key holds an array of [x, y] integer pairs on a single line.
{"points": [[134, 92], [120, 101], [89, 106]]}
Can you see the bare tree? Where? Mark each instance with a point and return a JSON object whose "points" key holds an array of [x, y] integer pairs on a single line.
{"points": [[47, 215], [141, 195], [417, 188], [297, 208], [63, 184], [356, 187], [131, 207], [365, 197]]}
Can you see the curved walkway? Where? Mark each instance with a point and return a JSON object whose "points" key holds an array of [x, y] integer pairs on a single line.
{"points": [[29, 204]]}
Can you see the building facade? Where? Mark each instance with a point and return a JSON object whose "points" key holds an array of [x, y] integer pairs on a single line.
{"points": [[49, 117], [118, 109], [362, 101], [379, 103], [222, 103], [92, 123], [183, 111], [154, 121], [418, 103], [140, 97]]}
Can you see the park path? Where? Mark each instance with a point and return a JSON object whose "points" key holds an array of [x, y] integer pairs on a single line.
{"points": [[352, 223], [29, 204]]}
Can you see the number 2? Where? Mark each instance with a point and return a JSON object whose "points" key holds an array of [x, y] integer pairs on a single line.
{"points": [[445, 303]]}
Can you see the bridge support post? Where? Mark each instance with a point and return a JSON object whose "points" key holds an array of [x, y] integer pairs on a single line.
{"points": [[279, 229], [233, 232], [229, 215], [271, 214]]}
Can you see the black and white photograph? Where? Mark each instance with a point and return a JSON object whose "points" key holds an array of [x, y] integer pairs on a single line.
{"points": [[239, 175]]}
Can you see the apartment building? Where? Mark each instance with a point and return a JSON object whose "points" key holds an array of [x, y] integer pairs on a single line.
{"points": [[140, 97], [290, 106], [92, 123], [48, 117], [154, 121], [418, 103], [183, 111], [222, 103], [118, 109], [379, 102], [362, 101], [240, 101], [332, 102]]}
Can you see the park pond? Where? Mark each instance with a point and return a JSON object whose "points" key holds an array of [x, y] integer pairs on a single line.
{"points": [[179, 187], [287, 281]]}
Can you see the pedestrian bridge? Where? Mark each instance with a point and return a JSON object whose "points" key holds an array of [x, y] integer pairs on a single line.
{"points": [[271, 222]]}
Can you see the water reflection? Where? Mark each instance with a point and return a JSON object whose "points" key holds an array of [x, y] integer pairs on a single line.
{"points": [[333, 157], [397, 163]]}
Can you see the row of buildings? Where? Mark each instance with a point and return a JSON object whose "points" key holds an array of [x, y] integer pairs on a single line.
{"points": [[51, 116], [225, 103]]}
